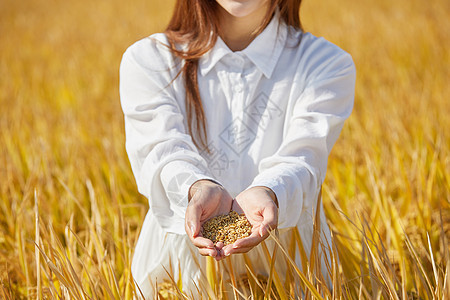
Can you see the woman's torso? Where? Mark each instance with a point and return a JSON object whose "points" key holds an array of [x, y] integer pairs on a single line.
{"points": [[248, 97]]}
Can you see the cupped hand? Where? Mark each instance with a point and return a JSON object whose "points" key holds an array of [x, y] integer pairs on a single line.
{"points": [[259, 204], [207, 199]]}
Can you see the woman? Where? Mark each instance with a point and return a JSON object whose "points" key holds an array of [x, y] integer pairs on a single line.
{"points": [[233, 107]]}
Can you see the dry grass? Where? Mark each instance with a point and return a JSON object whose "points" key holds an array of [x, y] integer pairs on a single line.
{"points": [[70, 212]]}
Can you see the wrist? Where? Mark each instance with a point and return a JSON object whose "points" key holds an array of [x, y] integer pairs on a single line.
{"points": [[270, 193], [197, 185]]}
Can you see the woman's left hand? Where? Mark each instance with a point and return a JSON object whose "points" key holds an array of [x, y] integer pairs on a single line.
{"points": [[259, 204]]}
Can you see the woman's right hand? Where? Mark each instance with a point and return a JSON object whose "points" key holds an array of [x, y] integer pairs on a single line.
{"points": [[207, 199]]}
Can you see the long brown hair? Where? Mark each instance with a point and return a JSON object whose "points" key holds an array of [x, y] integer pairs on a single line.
{"points": [[195, 23]]}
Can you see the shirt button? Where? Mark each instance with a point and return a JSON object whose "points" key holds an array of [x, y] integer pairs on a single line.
{"points": [[238, 88]]}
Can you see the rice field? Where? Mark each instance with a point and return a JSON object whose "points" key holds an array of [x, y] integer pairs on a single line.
{"points": [[70, 212]]}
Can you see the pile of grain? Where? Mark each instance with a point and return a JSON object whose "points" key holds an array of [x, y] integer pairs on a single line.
{"points": [[227, 228]]}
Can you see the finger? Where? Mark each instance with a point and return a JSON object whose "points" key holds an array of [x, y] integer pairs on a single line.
{"points": [[219, 255], [201, 242], [208, 252], [250, 241], [270, 221], [236, 207], [240, 250], [228, 250], [264, 230], [192, 220], [219, 245], [243, 244]]}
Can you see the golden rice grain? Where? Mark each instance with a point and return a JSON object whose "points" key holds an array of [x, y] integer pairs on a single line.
{"points": [[227, 228]]}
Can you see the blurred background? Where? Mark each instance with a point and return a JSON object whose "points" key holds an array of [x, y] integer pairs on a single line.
{"points": [[62, 155]]}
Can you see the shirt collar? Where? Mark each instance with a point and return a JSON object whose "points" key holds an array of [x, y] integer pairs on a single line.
{"points": [[263, 51]]}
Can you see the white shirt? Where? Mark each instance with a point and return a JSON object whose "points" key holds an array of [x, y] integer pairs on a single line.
{"points": [[273, 111]]}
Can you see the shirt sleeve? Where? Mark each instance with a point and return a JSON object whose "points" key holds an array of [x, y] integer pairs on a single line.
{"points": [[297, 170], [163, 158]]}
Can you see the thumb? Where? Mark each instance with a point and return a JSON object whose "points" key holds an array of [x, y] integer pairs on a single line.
{"points": [[236, 207], [263, 230], [192, 220], [270, 221]]}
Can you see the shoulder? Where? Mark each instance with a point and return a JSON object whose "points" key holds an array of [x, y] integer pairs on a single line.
{"points": [[313, 58], [151, 53], [320, 58]]}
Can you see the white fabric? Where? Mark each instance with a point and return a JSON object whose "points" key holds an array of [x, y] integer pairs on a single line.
{"points": [[273, 111]]}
